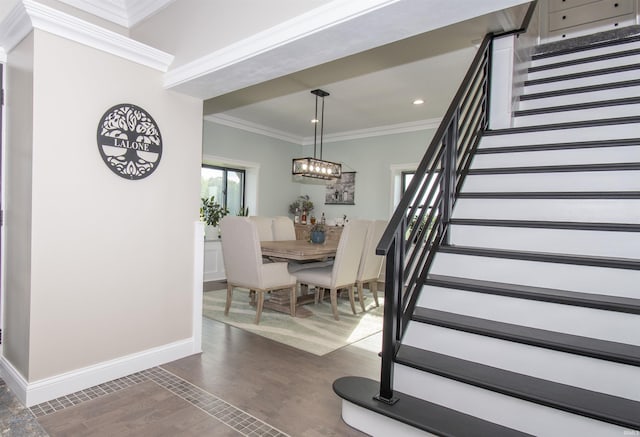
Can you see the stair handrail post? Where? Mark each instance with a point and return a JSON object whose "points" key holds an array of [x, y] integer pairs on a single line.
{"points": [[392, 316], [449, 174]]}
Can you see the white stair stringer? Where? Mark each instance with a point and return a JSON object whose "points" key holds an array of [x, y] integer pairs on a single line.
{"points": [[498, 408], [585, 279], [603, 376], [568, 319]]}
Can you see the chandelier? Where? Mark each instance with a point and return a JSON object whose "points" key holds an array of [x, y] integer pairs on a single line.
{"points": [[316, 167]]}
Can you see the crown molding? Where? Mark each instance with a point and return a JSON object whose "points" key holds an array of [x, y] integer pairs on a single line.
{"points": [[304, 25], [399, 128], [67, 26], [14, 28], [126, 13], [255, 128]]}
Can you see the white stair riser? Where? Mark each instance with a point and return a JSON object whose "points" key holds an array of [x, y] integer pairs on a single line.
{"points": [[581, 81], [568, 319], [585, 54], [552, 136], [576, 242], [584, 279], [591, 155], [579, 68], [507, 411], [574, 210], [597, 375], [584, 97], [554, 182], [377, 425], [616, 111]]}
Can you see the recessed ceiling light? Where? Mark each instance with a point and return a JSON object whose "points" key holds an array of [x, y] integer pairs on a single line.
{"points": [[418, 102]]}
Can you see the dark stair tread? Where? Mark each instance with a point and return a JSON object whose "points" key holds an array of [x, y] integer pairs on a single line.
{"points": [[587, 300], [562, 126], [551, 195], [581, 89], [585, 60], [577, 106], [580, 226], [585, 43], [574, 344], [599, 406], [417, 412], [620, 166], [559, 146], [559, 258], [582, 74]]}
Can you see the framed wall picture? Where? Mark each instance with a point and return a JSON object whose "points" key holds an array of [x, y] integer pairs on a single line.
{"points": [[342, 191]]}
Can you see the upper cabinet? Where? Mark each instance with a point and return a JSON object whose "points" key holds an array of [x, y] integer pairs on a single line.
{"points": [[572, 18]]}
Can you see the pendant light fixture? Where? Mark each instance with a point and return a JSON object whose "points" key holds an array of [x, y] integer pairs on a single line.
{"points": [[316, 167]]}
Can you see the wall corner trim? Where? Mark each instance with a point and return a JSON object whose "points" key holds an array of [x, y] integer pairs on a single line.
{"points": [[67, 26], [33, 393]]}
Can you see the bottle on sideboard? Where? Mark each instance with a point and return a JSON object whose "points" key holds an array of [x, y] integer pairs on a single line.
{"points": [[296, 218], [303, 219], [322, 219]]}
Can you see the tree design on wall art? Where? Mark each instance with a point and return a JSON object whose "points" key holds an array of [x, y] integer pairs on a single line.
{"points": [[129, 141]]}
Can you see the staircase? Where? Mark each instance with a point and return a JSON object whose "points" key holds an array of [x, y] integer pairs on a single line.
{"points": [[528, 322]]}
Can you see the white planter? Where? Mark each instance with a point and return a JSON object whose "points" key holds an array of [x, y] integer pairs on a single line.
{"points": [[211, 232]]}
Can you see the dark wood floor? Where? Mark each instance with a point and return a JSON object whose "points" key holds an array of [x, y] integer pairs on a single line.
{"points": [[287, 388]]}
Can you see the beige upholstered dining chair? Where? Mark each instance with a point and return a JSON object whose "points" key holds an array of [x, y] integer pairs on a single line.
{"points": [[244, 267], [370, 263], [283, 229], [265, 227], [343, 272]]}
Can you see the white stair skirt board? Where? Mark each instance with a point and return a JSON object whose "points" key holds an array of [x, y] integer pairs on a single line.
{"points": [[552, 136], [585, 279], [562, 241], [565, 210], [578, 115], [592, 155], [582, 81], [597, 375], [588, 181], [582, 97], [584, 67], [585, 54], [568, 319], [377, 425], [514, 413]]}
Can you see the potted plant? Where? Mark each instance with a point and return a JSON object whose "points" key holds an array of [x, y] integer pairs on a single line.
{"points": [[317, 233], [302, 203], [211, 212]]}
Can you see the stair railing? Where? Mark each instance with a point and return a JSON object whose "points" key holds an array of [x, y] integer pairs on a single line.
{"points": [[420, 223]]}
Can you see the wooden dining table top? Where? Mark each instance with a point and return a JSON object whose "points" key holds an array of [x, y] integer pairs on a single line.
{"points": [[298, 250]]}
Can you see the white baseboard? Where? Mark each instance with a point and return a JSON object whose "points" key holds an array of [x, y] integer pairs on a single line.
{"points": [[33, 393]]}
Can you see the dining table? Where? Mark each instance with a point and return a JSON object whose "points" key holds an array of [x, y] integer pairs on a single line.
{"points": [[298, 251]]}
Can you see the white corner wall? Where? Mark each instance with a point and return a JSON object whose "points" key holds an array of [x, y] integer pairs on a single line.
{"points": [[112, 260]]}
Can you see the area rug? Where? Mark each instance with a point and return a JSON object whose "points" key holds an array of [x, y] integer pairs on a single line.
{"points": [[318, 334]]}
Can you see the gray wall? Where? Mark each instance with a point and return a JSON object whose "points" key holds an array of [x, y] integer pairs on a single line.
{"points": [[371, 158]]}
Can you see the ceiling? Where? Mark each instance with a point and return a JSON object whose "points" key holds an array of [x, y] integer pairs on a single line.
{"points": [[372, 82]]}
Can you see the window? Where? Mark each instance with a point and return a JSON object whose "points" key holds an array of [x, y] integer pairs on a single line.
{"points": [[226, 184], [407, 176]]}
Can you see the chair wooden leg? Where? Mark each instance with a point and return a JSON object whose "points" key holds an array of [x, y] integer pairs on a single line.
{"points": [[293, 301], [316, 295], [334, 303], [229, 297], [361, 295], [259, 305], [373, 286], [352, 299], [252, 297]]}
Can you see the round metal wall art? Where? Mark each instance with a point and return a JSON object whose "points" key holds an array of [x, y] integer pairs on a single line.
{"points": [[129, 141]]}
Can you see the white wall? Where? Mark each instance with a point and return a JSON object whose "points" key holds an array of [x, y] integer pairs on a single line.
{"points": [[111, 260]]}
